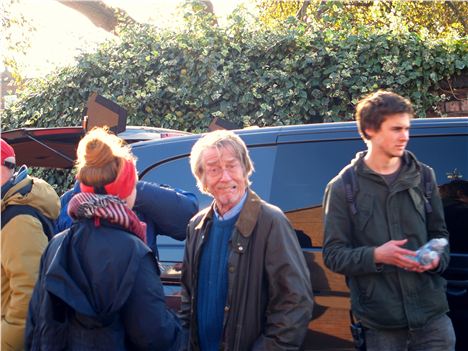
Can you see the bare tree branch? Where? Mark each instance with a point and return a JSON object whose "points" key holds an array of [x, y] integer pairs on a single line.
{"points": [[108, 17], [99, 13], [301, 14], [281, 6]]}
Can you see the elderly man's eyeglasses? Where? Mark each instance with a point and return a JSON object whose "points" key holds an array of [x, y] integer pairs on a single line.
{"points": [[216, 171]]}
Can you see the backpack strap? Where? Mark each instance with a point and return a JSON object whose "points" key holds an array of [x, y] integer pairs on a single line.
{"points": [[427, 186], [15, 210], [351, 188]]}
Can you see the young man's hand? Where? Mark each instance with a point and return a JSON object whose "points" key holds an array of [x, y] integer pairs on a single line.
{"points": [[394, 254]]}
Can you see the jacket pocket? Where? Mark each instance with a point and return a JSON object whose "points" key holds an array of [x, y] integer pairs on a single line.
{"points": [[364, 211], [364, 287], [418, 199]]}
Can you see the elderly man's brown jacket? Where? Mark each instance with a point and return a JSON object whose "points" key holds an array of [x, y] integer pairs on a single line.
{"points": [[269, 299]]}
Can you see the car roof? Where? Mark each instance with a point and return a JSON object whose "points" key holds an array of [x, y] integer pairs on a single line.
{"points": [[56, 147], [256, 137]]}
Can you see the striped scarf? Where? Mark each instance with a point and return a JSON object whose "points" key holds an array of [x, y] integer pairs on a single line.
{"points": [[110, 208]]}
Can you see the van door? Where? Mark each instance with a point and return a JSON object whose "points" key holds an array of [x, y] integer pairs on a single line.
{"points": [[305, 163], [448, 156]]}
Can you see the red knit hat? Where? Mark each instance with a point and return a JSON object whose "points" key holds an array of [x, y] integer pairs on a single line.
{"points": [[8, 155]]}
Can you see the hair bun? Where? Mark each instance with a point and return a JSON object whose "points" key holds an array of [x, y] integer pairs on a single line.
{"points": [[100, 157], [98, 154]]}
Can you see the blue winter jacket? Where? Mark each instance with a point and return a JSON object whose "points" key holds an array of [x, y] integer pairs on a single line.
{"points": [[165, 211], [99, 289]]}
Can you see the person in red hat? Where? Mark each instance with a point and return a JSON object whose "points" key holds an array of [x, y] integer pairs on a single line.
{"points": [[29, 207]]}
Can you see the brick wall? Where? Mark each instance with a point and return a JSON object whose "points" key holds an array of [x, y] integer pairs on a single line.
{"points": [[456, 90], [457, 106]]}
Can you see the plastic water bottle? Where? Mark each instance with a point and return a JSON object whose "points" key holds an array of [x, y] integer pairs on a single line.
{"points": [[426, 256], [430, 251], [437, 245]]}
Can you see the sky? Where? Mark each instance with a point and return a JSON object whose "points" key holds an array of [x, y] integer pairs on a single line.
{"points": [[62, 33]]}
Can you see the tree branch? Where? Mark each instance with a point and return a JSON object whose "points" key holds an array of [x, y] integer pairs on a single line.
{"points": [[301, 14], [99, 13]]}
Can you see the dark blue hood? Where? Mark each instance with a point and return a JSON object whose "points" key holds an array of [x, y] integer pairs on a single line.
{"points": [[84, 275]]}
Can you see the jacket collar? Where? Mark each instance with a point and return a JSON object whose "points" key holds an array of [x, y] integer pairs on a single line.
{"points": [[409, 174], [247, 218], [17, 192], [13, 182]]}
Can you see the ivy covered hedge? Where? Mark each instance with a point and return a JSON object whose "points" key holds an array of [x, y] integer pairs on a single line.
{"points": [[242, 73]]}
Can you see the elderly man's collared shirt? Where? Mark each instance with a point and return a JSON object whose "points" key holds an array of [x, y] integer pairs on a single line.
{"points": [[233, 211]]}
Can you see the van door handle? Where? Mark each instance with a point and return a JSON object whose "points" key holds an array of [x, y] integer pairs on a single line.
{"points": [[457, 287]]}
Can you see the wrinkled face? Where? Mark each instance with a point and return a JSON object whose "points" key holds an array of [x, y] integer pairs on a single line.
{"points": [[392, 137], [224, 177]]}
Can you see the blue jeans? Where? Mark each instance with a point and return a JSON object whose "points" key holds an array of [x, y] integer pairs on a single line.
{"points": [[437, 335]]}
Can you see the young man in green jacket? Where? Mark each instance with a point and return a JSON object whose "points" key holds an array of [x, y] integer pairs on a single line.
{"points": [[401, 303]]}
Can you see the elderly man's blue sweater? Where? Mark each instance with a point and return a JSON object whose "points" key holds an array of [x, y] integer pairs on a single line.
{"points": [[212, 283]]}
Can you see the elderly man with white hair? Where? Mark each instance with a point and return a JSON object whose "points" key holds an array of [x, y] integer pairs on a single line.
{"points": [[245, 283]]}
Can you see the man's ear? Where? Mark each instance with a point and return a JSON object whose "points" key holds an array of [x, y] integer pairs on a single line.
{"points": [[369, 132]]}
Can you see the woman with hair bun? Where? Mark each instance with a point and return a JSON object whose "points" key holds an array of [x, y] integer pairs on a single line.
{"points": [[99, 286]]}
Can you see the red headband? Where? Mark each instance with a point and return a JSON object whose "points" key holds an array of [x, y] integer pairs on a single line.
{"points": [[123, 184]]}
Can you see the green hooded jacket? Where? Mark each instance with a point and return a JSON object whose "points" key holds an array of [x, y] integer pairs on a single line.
{"points": [[385, 296]]}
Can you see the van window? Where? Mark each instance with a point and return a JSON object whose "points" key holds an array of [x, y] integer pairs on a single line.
{"points": [[302, 171], [448, 156], [177, 174], [445, 154]]}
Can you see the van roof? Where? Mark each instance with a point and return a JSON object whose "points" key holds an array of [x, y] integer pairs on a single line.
{"points": [[56, 147]]}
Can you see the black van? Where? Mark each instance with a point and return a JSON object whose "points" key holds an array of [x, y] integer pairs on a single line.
{"points": [[293, 164]]}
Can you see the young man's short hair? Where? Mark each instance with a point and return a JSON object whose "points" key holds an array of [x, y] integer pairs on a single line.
{"points": [[372, 110]]}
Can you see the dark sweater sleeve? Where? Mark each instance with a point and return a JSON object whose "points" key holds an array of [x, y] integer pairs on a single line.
{"points": [[149, 324], [64, 221], [169, 209]]}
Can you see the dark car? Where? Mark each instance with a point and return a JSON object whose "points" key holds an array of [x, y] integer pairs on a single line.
{"points": [[293, 164]]}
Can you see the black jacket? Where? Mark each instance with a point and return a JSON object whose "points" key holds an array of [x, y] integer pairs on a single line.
{"points": [[99, 289], [269, 302]]}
